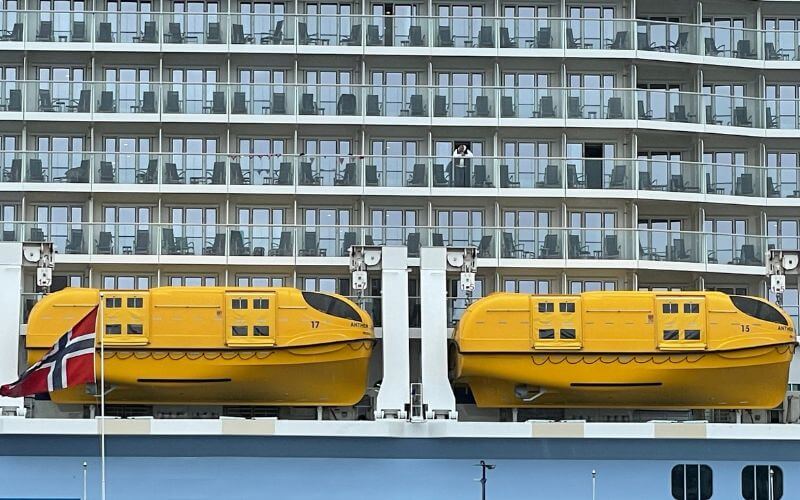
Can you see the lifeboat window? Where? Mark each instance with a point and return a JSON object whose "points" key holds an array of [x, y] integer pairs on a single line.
{"points": [[261, 331], [756, 482], [329, 304], [547, 333], [567, 334], [239, 304], [135, 302], [114, 329], [239, 331], [692, 482], [134, 329], [691, 308], [758, 309], [691, 335], [114, 302], [671, 335], [546, 307], [669, 308], [566, 307], [260, 303]]}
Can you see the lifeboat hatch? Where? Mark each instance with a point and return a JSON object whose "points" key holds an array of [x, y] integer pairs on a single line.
{"points": [[555, 322], [250, 318], [680, 322], [125, 318]]}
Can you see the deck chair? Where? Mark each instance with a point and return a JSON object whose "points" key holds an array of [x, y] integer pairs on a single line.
{"points": [[506, 179], [549, 248], [75, 242], [104, 242], [284, 246], [238, 247]]}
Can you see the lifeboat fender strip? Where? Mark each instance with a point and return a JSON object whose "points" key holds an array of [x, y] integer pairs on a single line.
{"points": [[182, 380], [620, 384]]}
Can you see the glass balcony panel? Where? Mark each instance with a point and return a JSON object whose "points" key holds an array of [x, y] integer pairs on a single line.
{"points": [[263, 99], [329, 170], [58, 26], [783, 183], [123, 239], [782, 113], [599, 173], [781, 44], [394, 100], [530, 32], [11, 95], [667, 105], [58, 97], [261, 28], [329, 29], [671, 246], [732, 111], [722, 41], [609, 34], [260, 240], [193, 27], [396, 171], [126, 27], [461, 31], [612, 104], [125, 97], [192, 239], [537, 102], [399, 30], [67, 237], [194, 98], [483, 238], [516, 172], [11, 162], [666, 37], [262, 169], [329, 100], [590, 243], [735, 180], [735, 249], [464, 102], [411, 237], [125, 168], [192, 168], [531, 243], [666, 175], [13, 231], [12, 25], [326, 241]]}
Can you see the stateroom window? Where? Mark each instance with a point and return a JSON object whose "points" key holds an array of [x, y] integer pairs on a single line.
{"points": [[756, 482], [669, 308], [260, 303], [546, 307], [691, 308], [547, 333], [115, 329], [135, 302], [567, 334], [566, 307], [671, 335], [114, 302], [692, 482], [239, 304], [261, 331], [239, 331]]}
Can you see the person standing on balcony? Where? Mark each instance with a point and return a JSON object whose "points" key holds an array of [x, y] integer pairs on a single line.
{"points": [[461, 166]]}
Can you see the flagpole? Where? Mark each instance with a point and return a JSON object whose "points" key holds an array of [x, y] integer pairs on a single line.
{"points": [[102, 404]]}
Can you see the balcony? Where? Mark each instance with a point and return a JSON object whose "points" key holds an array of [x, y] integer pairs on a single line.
{"points": [[185, 31]]}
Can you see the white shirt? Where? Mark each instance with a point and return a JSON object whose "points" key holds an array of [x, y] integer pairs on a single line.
{"points": [[460, 156]]}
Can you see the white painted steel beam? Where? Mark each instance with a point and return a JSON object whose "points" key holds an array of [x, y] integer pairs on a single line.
{"points": [[11, 298]]}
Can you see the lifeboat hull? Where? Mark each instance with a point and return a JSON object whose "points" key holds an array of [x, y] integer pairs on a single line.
{"points": [[333, 374], [745, 378]]}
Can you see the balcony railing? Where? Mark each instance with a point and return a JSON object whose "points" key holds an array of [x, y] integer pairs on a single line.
{"points": [[165, 100], [157, 30], [290, 240], [386, 171]]}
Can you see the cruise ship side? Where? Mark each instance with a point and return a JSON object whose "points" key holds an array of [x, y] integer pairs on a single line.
{"points": [[550, 147]]}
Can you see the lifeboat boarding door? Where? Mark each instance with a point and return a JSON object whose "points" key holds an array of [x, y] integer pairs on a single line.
{"points": [[681, 322], [250, 318], [555, 322]]}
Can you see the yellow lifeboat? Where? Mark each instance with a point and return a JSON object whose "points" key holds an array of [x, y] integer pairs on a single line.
{"points": [[216, 345], [625, 349]]}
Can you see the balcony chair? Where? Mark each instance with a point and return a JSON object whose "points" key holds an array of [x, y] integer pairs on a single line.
{"points": [[439, 178], [348, 177], [572, 42], [104, 243], [45, 33], [486, 37], [618, 177], [650, 253], [485, 246], [14, 172], [278, 103], [348, 240], [75, 242], [747, 256], [506, 42], [107, 104], [79, 31], [284, 177], [284, 246], [711, 118], [412, 244], [619, 41], [239, 178], [507, 108], [574, 108], [173, 102], [546, 108], [307, 177], [575, 181], [9, 235], [218, 103], [439, 105], [171, 175], [239, 104], [373, 105], [35, 171], [712, 188], [79, 174], [679, 251], [175, 35], [307, 105], [15, 35], [37, 234], [274, 37], [712, 49], [444, 37], [680, 45], [417, 178], [741, 118], [479, 178], [311, 246], [374, 37], [544, 38], [415, 37], [643, 42], [148, 103], [238, 37], [149, 35], [217, 176], [744, 185], [354, 39], [104, 33], [371, 175], [679, 114], [437, 239], [46, 103], [611, 247], [772, 121], [577, 250], [346, 105], [214, 33], [83, 104], [149, 176], [506, 179], [744, 50], [482, 109], [549, 248], [303, 38], [107, 173], [14, 102], [773, 54], [238, 247], [216, 246], [510, 249], [678, 185], [773, 190], [416, 106], [614, 111]]}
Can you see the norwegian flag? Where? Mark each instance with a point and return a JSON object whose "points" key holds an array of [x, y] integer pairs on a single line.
{"points": [[70, 362]]}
